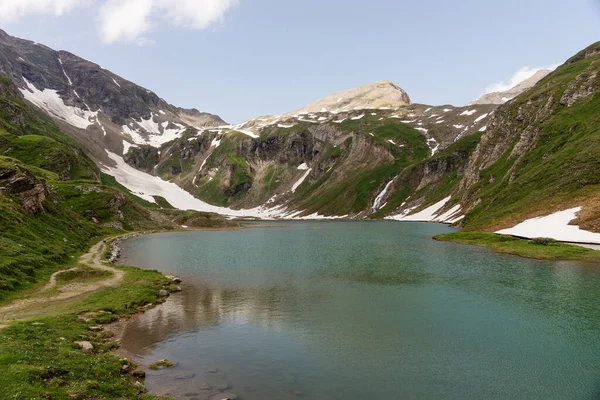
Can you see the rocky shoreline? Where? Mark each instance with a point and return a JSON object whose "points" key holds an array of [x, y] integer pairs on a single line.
{"points": [[115, 245]]}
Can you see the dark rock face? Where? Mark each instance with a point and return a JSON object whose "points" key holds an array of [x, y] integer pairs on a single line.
{"points": [[31, 192], [143, 158], [96, 87], [110, 101], [33, 199]]}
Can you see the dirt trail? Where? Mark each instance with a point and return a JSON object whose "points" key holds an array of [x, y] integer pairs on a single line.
{"points": [[39, 302]]}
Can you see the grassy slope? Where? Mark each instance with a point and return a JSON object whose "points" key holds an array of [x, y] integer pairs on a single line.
{"points": [[560, 171], [39, 358], [525, 248], [78, 208]]}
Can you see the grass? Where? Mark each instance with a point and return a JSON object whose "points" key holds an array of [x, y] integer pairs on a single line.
{"points": [[539, 249], [40, 360], [558, 170], [355, 189], [82, 273]]}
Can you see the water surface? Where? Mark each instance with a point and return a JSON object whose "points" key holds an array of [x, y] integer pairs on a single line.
{"points": [[364, 310]]}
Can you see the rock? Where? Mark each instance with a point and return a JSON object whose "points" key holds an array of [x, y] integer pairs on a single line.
{"points": [[176, 280], [125, 368], [139, 373], [176, 289], [96, 328], [163, 293], [140, 386], [85, 345]]}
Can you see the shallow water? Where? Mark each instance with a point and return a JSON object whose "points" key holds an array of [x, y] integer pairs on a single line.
{"points": [[364, 310]]}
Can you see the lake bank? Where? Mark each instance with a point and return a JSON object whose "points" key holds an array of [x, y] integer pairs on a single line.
{"points": [[59, 348], [540, 249]]}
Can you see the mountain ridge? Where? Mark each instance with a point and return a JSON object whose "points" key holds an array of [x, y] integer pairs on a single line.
{"points": [[331, 159]]}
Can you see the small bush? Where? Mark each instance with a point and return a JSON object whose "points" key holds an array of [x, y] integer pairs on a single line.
{"points": [[543, 241]]}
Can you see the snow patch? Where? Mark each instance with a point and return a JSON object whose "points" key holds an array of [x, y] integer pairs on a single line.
{"points": [[377, 203], [468, 112], [215, 143], [480, 118], [126, 147], [286, 126], [303, 167], [301, 180], [430, 214], [555, 226], [65, 73], [117, 83], [50, 101], [433, 145]]}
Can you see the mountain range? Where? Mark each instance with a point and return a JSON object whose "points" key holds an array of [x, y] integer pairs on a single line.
{"points": [[367, 152]]}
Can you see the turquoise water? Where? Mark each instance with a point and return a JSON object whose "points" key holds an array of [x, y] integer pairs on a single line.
{"points": [[364, 310]]}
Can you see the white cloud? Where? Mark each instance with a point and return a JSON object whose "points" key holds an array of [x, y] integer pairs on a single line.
{"points": [[126, 20], [12, 10], [522, 74], [129, 20], [196, 14]]}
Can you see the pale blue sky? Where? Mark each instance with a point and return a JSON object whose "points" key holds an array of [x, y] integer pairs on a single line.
{"points": [[274, 56]]}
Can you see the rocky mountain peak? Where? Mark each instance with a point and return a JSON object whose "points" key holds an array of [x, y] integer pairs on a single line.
{"points": [[376, 95], [521, 87]]}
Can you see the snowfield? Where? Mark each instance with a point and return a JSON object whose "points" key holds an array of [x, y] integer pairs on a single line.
{"points": [[555, 226], [50, 101], [431, 214]]}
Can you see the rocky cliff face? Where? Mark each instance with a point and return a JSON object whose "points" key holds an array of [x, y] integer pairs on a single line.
{"points": [[539, 153], [364, 152], [30, 191], [97, 107]]}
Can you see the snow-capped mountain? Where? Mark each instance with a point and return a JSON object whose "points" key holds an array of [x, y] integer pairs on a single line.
{"points": [[99, 108]]}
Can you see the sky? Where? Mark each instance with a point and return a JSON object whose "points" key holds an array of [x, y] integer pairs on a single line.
{"points": [[245, 58]]}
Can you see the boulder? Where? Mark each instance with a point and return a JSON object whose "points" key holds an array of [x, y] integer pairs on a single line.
{"points": [[85, 345]]}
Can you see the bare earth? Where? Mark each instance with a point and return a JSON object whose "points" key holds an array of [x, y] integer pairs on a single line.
{"points": [[41, 302]]}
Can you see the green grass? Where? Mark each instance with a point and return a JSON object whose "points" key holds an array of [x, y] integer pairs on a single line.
{"points": [[546, 250], [82, 273], [29, 135], [39, 359], [563, 164]]}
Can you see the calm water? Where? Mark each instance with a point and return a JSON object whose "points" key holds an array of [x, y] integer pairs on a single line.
{"points": [[364, 310]]}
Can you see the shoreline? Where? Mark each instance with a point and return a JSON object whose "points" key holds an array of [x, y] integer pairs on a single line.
{"points": [[75, 332], [537, 249], [89, 327]]}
